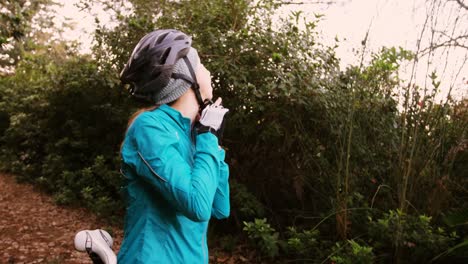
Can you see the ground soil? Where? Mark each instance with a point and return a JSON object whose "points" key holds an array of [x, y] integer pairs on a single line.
{"points": [[33, 229]]}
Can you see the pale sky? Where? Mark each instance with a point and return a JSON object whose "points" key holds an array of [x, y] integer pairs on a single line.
{"points": [[390, 23]]}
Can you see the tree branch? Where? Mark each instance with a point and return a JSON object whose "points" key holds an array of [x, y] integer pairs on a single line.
{"points": [[463, 5], [451, 42]]}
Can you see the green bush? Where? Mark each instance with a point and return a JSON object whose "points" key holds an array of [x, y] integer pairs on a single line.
{"points": [[245, 204], [64, 130], [303, 244], [263, 236], [351, 252], [415, 235]]}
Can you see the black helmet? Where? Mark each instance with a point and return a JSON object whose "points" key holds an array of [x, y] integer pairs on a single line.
{"points": [[151, 65]]}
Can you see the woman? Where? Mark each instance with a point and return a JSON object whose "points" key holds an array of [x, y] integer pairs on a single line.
{"points": [[176, 177]]}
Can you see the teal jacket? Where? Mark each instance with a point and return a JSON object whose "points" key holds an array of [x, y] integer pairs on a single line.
{"points": [[173, 187]]}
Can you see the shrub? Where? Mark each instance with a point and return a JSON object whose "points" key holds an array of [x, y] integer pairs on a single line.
{"points": [[303, 244], [65, 128], [264, 237], [414, 235], [351, 252]]}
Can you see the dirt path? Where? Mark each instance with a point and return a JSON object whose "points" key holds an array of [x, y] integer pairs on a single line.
{"points": [[35, 230]]}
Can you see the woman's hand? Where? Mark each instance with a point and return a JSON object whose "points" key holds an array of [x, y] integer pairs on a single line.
{"points": [[212, 120], [213, 115]]}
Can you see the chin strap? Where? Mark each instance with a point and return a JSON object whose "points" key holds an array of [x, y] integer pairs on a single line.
{"points": [[195, 86]]}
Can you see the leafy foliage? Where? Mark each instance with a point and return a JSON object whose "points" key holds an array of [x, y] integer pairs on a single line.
{"points": [[352, 252], [303, 243], [60, 117], [245, 203], [16, 19], [418, 235], [262, 233]]}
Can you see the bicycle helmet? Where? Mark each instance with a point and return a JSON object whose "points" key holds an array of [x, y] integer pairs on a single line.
{"points": [[161, 67]]}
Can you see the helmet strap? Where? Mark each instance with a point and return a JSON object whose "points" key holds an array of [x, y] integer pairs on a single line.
{"points": [[195, 85]]}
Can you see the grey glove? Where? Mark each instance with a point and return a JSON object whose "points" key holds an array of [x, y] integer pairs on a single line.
{"points": [[213, 116], [212, 120]]}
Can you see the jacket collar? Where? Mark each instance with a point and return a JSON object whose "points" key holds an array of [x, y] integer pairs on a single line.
{"points": [[182, 121]]}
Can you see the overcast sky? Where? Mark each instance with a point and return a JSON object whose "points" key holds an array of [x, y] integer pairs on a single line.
{"points": [[390, 23]]}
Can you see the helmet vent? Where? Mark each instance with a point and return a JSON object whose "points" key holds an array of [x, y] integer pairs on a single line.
{"points": [[161, 38], [180, 37], [164, 56]]}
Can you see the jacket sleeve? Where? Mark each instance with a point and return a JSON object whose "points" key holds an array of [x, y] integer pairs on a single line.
{"points": [[190, 189], [221, 206]]}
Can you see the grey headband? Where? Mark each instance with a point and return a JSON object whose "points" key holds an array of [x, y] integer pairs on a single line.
{"points": [[177, 87]]}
